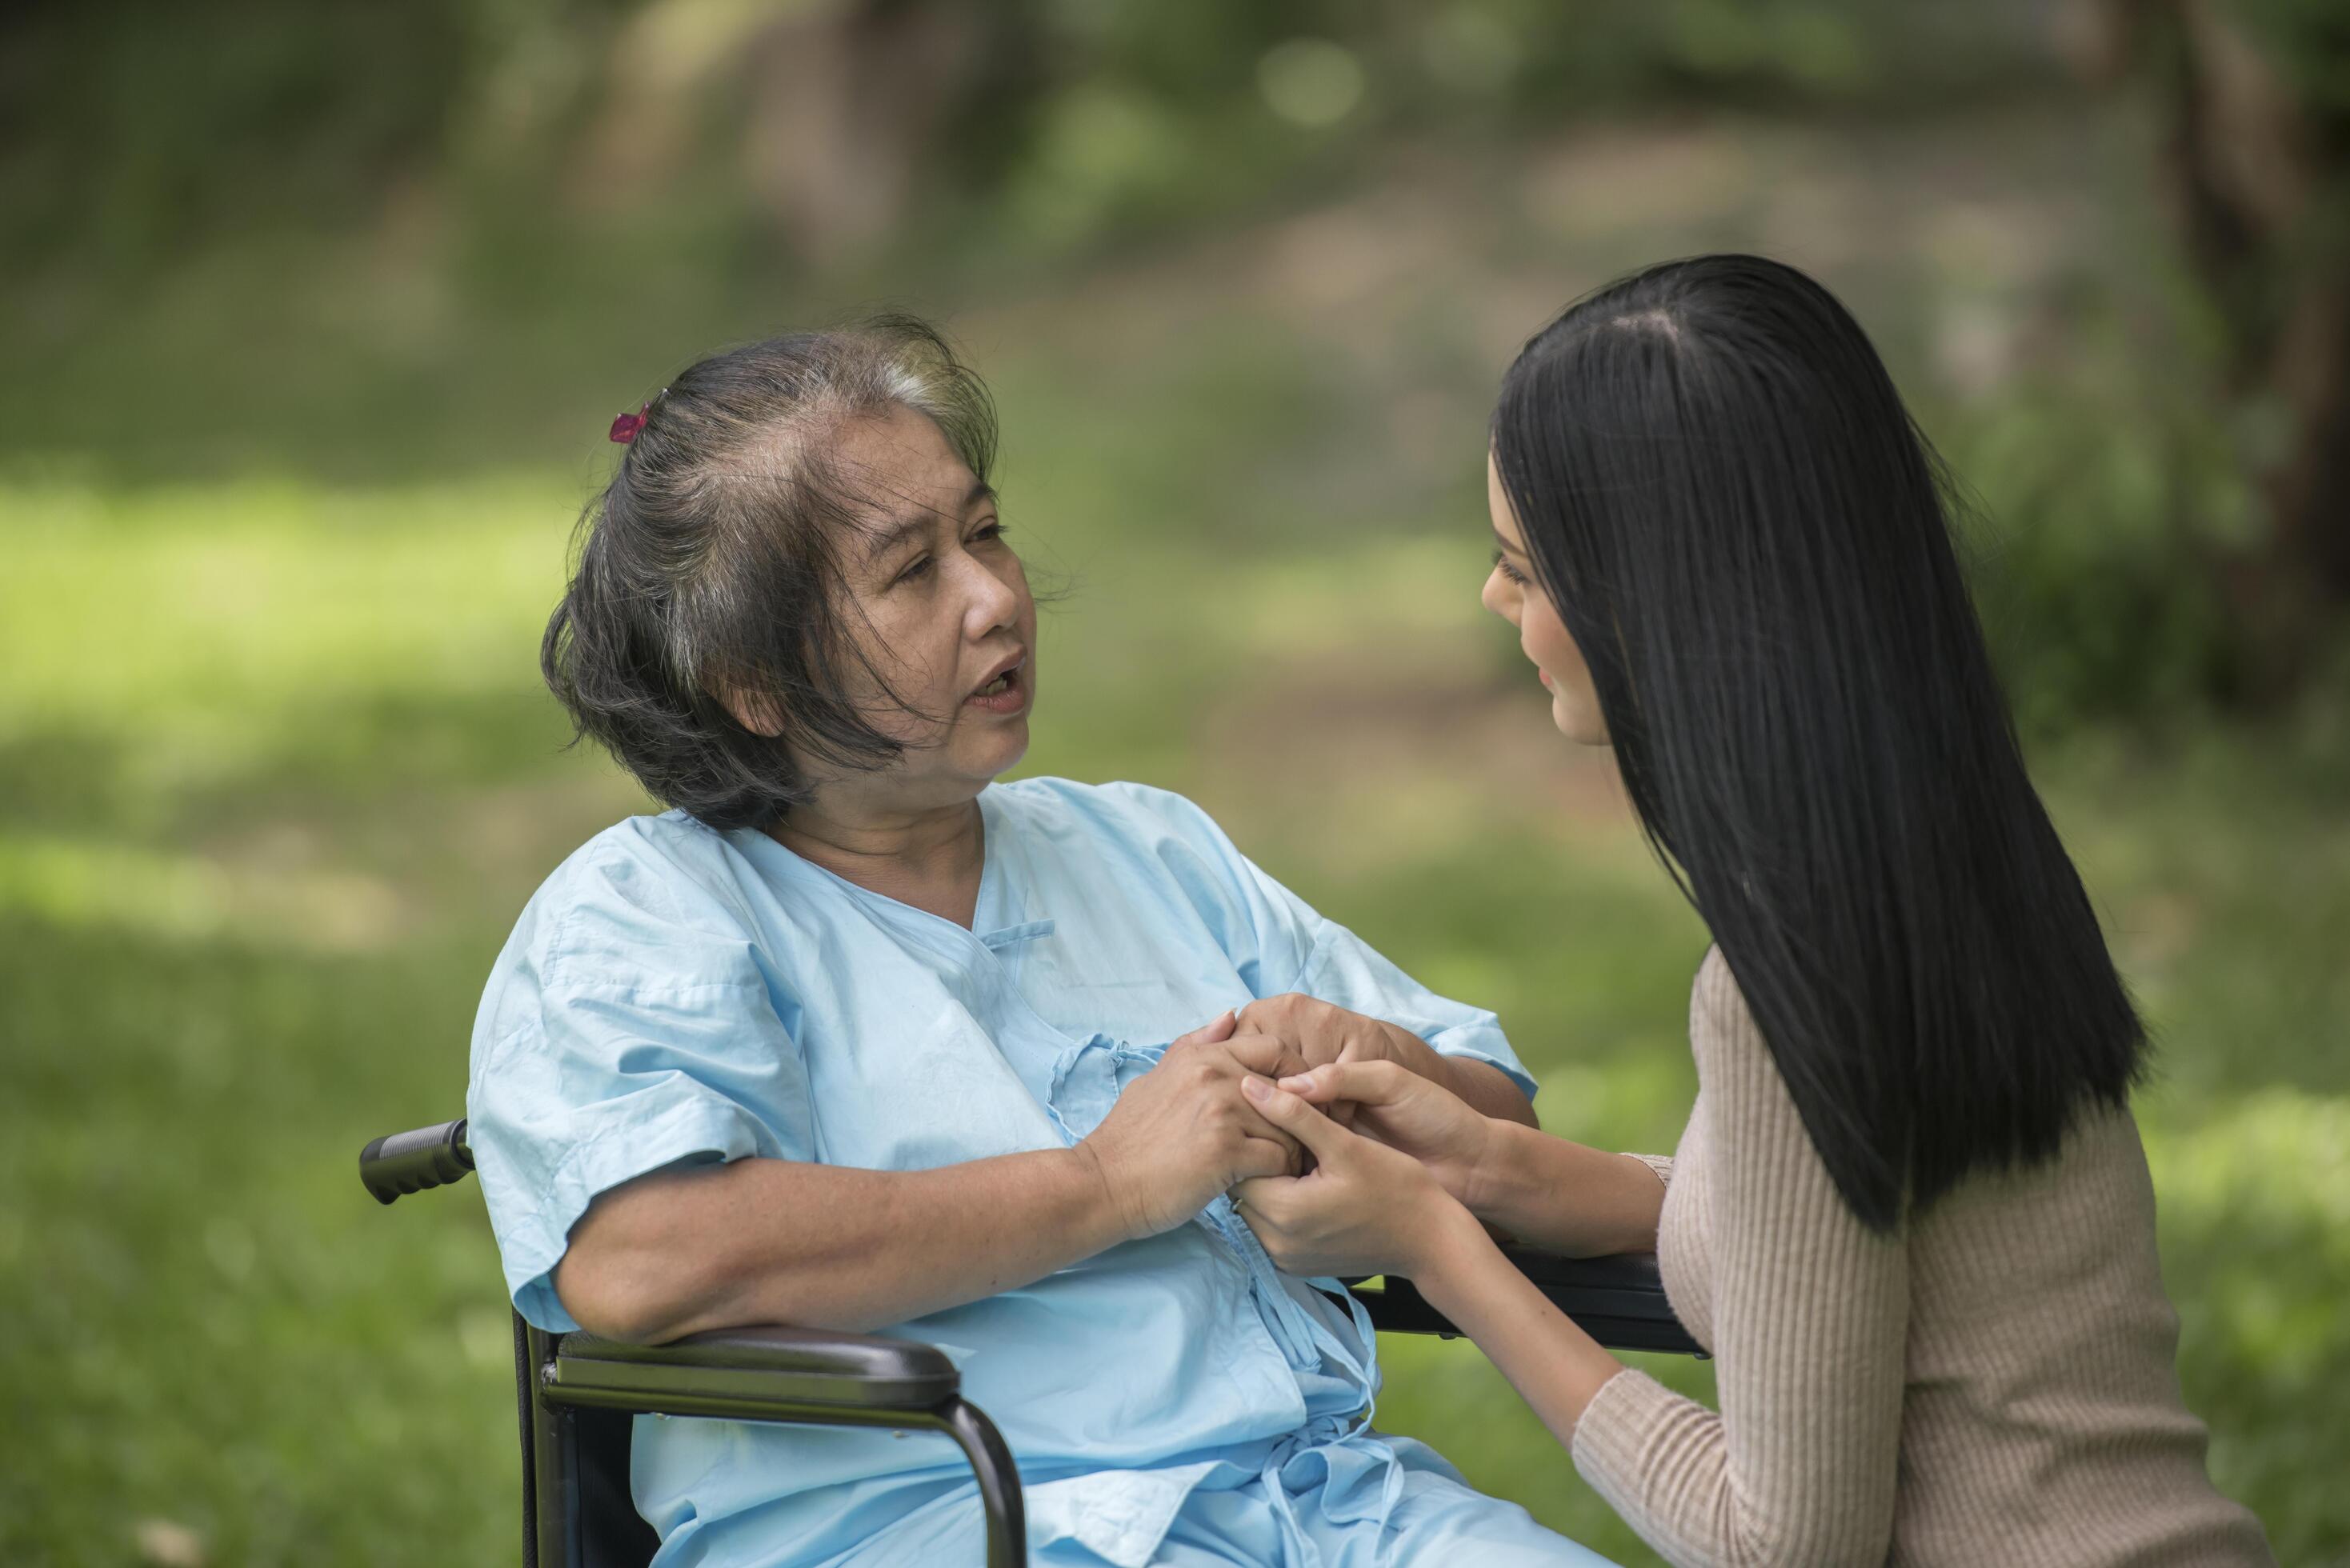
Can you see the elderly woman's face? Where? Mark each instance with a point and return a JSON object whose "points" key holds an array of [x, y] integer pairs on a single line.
{"points": [[944, 605]]}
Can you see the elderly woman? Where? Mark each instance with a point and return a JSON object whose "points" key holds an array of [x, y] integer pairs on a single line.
{"points": [[854, 1037]]}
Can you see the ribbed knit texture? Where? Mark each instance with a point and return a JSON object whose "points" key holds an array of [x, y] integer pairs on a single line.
{"points": [[1994, 1384]]}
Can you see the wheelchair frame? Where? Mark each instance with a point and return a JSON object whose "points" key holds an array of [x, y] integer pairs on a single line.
{"points": [[576, 1394]]}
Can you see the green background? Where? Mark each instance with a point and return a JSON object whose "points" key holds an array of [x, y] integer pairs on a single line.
{"points": [[289, 459]]}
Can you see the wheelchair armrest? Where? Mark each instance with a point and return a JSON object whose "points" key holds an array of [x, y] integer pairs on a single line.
{"points": [[1618, 1301], [806, 1377], [790, 1369]]}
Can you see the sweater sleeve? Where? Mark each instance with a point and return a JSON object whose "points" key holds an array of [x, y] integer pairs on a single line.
{"points": [[1810, 1318], [1661, 1164]]}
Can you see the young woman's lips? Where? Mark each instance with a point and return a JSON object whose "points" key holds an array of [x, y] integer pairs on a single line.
{"points": [[1544, 673], [1010, 700]]}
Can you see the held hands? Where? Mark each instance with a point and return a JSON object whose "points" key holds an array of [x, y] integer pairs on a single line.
{"points": [[1322, 1033], [1365, 1209], [1193, 1127], [1561, 1196], [1404, 1111], [1183, 1133]]}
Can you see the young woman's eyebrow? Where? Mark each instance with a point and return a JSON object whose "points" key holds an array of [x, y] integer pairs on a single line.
{"points": [[1505, 546]]}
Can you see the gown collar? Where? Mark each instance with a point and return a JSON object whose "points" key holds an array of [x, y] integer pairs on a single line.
{"points": [[997, 914]]}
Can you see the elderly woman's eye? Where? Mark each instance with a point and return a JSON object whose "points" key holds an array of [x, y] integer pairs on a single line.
{"points": [[992, 531], [920, 565]]}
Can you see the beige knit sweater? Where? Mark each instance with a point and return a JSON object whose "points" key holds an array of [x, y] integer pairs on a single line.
{"points": [[1993, 1386]]}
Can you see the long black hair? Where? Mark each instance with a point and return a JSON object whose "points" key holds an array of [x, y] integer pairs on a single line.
{"points": [[1749, 540]]}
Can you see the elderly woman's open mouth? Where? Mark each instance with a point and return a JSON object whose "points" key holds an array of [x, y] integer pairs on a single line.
{"points": [[1006, 690]]}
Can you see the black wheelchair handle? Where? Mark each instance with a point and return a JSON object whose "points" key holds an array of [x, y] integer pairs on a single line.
{"points": [[415, 1161]]}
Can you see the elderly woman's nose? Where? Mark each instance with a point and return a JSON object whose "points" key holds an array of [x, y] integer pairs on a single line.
{"points": [[994, 602]]}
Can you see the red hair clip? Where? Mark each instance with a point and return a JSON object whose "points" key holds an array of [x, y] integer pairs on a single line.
{"points": [[628, 427]]}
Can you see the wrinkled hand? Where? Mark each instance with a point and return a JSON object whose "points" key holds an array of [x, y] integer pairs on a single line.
{"points": [[1184, 1131], [1322, 1033], [1365, 1209], [1404, 1111]]}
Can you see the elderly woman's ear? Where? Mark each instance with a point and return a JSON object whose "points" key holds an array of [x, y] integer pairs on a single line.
{"points": [[757, 711]]}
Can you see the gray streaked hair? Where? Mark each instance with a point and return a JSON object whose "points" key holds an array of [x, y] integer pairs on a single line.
{"points": [[710, 566]]}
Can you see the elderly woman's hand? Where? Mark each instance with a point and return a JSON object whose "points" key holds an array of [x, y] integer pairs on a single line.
{"points": [[1182, 1134], [1365, 1209], [1322, 1033]]}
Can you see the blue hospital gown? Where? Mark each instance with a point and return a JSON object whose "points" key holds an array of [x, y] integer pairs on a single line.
{"points": [[676, 992]]}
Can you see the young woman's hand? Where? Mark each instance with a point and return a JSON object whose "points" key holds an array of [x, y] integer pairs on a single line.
{"points": [[1182, 1134], [1365, 1209], [1404, 1111]]}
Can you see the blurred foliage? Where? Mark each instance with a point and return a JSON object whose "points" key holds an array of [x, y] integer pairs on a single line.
{"points": [[543, 161], [2098, 522], [2308, 40], [131, 130], [2254, 159]]}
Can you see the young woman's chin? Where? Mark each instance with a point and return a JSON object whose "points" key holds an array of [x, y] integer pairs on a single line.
{"points": [[1578, 721]]}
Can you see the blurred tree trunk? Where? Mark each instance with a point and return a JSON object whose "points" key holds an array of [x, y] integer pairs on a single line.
{"points": [[2256, 157], [847, 100]]}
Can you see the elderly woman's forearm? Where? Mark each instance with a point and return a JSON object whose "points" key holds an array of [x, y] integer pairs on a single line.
{"points": [[817, 1246], [1488, 1090]]}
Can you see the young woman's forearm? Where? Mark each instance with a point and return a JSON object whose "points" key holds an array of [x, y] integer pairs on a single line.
{"points": [[1554, 1365], [1566, 1197], [819, 1246]]}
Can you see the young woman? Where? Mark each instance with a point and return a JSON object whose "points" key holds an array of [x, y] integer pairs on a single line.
{"points": [[1910, 1215]]}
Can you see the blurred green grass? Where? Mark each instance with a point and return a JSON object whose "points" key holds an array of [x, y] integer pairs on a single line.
{"points": [[276, 774]]}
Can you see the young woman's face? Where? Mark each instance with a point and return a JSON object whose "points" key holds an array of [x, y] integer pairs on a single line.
{"points": [[941, 605], [1511, 593]]}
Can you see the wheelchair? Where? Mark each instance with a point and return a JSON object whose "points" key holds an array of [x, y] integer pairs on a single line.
{"points": [[575, 1395]]}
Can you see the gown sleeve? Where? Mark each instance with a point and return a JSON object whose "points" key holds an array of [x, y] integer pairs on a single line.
{"points": [[1280, 943], [629, 1024]]}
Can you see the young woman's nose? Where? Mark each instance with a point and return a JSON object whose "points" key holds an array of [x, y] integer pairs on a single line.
{"points": [[1496, 596]]}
